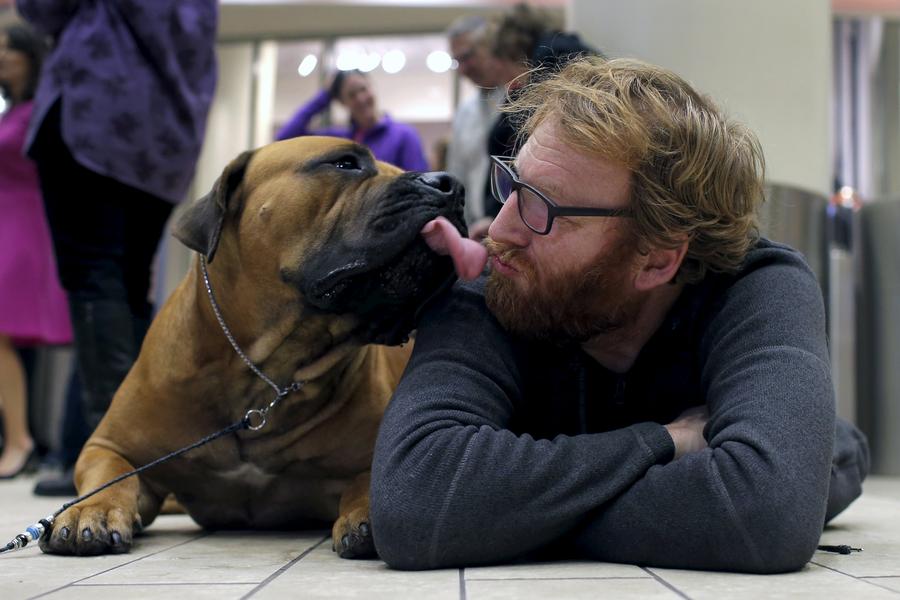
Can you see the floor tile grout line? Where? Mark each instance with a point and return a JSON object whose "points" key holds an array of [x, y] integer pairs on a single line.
{"points": [[284, 568], [164, 584], [878, 585], [130, 562], [852, 576], [551, 578], [462, 584], [665, 583]]}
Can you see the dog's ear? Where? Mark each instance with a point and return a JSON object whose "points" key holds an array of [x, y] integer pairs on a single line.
{"points": [[200, 225]]}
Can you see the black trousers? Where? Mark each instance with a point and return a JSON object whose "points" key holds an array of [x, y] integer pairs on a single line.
{"points": [[105, 235]]}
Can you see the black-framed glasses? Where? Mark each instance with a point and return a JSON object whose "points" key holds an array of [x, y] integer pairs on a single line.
{"points": [[537, 210]]}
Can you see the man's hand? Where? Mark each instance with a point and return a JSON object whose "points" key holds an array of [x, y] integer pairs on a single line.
{"points": [[687, 430]]}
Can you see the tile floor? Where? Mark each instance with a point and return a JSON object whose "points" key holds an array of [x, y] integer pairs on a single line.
{"points": [[175, 559]]}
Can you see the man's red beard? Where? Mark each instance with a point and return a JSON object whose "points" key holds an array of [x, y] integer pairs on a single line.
{"points": [[567, 306]]}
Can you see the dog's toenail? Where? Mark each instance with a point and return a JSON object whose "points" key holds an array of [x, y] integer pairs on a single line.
{"points": [[116, 538], [87, 534], [64, 533], [364, 529], [345, 542]]}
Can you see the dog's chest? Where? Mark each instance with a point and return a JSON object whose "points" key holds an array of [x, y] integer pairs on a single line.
{"points": [[251, 495]]}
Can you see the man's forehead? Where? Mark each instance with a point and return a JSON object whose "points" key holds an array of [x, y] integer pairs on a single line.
{"points": [[563, 171]]}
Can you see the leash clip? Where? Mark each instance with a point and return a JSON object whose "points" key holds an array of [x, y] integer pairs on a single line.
{"points": [[255, 418]]}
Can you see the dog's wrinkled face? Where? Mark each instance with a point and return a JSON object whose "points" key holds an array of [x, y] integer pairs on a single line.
{"points": [[321, 216]]}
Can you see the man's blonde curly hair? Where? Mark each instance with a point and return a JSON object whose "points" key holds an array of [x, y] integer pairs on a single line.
{"points": [[696, 175]]}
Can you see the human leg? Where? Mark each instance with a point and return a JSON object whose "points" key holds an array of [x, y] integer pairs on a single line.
{"points": [[17, 442], [94, 234]]}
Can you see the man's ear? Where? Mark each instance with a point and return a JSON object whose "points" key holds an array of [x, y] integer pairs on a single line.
{"points": [[200, 225], [659, 266]]}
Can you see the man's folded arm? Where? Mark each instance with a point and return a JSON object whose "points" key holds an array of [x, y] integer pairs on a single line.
{"points": [[755, 499], [451, 485]]}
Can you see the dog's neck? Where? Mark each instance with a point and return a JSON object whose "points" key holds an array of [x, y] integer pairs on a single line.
{"points": [[290, 345]]}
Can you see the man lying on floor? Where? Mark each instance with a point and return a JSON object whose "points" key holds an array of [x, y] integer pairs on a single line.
{"points": [[641, 378]]}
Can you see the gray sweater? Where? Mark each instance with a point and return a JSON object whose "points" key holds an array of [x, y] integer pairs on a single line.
{"points": [[495, 448]]}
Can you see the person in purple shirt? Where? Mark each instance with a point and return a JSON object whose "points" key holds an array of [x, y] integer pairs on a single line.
{"points": [[392, 142], [118, 121]]}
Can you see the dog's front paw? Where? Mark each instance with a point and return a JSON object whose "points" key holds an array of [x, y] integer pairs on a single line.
{"points": [[90, 530], [351, 536]]}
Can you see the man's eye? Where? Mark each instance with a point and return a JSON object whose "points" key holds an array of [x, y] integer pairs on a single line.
{"points": [[347, 162]]}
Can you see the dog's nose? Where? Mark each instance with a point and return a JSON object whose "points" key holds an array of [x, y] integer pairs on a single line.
{"points": [[441, 181]]}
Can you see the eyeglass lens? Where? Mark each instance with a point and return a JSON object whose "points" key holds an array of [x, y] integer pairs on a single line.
{"points": [[532, 208]]}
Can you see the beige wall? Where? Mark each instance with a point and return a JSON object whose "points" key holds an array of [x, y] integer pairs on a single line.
{"points": [[768, 62]]}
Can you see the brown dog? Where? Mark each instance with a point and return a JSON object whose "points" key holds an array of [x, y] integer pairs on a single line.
{"points": [[314, 254]]}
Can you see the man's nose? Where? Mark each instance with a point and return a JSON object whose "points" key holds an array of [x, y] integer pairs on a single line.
{"points": [[507, 226]]}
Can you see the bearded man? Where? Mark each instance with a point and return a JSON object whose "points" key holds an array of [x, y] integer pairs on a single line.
{"points": [[641, 377]]}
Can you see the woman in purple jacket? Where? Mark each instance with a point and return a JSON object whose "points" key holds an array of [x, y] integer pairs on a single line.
{"points": [[392, 142]]}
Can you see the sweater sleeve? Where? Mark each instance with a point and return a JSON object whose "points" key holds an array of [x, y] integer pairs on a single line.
{"points": [[49, 16], [755, 499], [453, 485], [299, 123]]}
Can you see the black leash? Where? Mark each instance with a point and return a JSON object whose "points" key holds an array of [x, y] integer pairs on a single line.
{"points": [[37, 530], [254, 420], [840, 549]]}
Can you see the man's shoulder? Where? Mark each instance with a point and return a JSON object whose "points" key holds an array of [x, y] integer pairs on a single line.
{"points": [[775, 289], [768, 250], [768, 260], [774, 279]]}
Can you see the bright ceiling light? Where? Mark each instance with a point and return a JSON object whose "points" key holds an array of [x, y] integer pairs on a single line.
{"points": [[369, 61], [439, 61], [307, 65], [393, 61], [347, 61]]}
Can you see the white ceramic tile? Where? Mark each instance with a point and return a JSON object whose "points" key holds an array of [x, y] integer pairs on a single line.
{"points": [[322, 574], [570, 589], [211, 591], [876, 512], [812, 582], [891, 583], [555, 570], [175, 559], [29, 572], [882, 486], [879, 558], [221, 557]]}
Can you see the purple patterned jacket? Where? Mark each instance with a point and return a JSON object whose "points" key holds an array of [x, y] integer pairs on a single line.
{"points": [[136, 80]]}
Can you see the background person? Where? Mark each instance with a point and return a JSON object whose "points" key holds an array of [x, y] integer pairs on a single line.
{"points": [[119, 117], [32, 303], [467, 156], [395, 143], [641, 378], [524, 42]]}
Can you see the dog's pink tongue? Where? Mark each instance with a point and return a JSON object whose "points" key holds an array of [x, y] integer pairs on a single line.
{"points": [[469, 257]]}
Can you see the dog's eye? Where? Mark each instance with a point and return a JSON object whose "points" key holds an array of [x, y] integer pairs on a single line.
{"points": [[349, 162]]}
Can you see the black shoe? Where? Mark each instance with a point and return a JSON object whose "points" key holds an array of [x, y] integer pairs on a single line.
{"points": [[60, 485]]}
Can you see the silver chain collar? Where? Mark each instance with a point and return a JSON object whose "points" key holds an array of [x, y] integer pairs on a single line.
{"points": [[255, 417]]}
